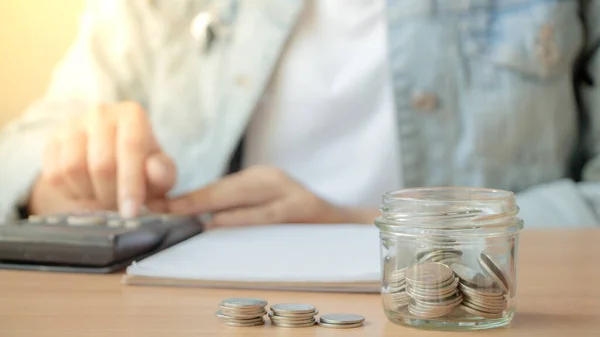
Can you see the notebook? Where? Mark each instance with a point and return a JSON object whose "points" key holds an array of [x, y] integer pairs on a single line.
{"points": [[303, 257]]}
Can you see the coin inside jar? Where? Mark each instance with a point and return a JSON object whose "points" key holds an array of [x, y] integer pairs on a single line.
{"points": [[430, 273], [494, 271]]}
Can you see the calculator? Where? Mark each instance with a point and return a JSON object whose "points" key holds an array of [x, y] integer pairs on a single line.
{"points": [[91, 242]]}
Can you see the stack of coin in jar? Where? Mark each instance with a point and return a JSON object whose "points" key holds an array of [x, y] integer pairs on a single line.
{"points": [[483, 295], [293, 315], [397, 289], [433, 290], [242, 312], [439, 255]]}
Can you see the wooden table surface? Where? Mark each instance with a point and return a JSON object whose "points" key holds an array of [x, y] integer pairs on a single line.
{"points": [[558, 290]]}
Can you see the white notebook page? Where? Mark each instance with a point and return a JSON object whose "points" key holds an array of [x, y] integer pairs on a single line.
{"points": [[336, 253]]}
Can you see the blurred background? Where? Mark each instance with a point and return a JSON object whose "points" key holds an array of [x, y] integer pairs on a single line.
{"points": [[35, 34]]}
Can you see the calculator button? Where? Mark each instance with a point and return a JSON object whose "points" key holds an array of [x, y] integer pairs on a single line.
{"points": [[85, 220], [114, 223], [53, 219], [132, 224], [35, 218]]}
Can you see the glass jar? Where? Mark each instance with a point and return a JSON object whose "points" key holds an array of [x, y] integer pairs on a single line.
{"points": [[449, 257]]}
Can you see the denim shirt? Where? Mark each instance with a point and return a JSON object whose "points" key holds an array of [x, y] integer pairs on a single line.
{"points": [[484, 91]]}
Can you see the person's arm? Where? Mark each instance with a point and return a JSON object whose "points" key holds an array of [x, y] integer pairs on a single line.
{"points": [[566, 203], [105, 63]]}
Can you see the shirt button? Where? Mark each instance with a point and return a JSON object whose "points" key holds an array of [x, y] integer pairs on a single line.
{"points": [[242, 81], [425, 101], [201, 28]]}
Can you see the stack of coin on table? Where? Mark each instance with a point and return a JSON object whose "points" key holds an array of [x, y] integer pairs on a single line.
{"points": [[433, 290], [483, 295], [341, 321], [293, 315], [242, 312]]}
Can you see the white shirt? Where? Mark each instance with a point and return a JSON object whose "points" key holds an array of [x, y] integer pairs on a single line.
{"points": [[328, 118]]}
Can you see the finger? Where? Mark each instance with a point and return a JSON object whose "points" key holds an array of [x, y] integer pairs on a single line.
{"points": [[57, 203], [158, 205], [241, 189], [73, 161], [161, 174], [135, 143], [265, 214], [51, 169], [101, 156]]}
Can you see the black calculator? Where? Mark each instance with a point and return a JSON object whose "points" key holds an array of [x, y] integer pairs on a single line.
{"points": [[94, 242]]}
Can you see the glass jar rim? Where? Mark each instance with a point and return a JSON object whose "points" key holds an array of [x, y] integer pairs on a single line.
{"points": [[448, 207], [484, 193]]}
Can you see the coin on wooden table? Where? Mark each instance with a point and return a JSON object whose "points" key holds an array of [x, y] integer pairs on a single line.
{"points": [[340, 326], [293, 325], [291, 309], [244, 303], [341, 321], [493, 270], [293, 315], [241, 312], [243, 325]]}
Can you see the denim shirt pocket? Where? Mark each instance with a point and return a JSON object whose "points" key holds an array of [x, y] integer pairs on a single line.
{"points": [[518, 63], [538, 38]]}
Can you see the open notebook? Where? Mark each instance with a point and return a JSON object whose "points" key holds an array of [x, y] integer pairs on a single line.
{"points": [[284, 257]]}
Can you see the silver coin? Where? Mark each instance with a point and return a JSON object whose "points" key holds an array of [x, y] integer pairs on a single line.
{"points": [[242, 321], [430, 273], [242, 313], [421, 253], [494, 271], [289, 325], [425, 287], [486, 299], [342, 318], [400, 299], [244, 303], [291, 318], [341, 326], [482, 314], [464, 272], [292, 308], [492, 305], [437, 255], [446, 302], [421, 313], [433, 292], [484, 308], [242, 325], [292, 321], [236, 316], [481, 292]]}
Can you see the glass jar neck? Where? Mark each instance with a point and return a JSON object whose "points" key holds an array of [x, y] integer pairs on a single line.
{"points": [[449, 208]]}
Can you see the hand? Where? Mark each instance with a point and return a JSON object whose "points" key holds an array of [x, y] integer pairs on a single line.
{"points": [[263, 195], [107, 159]]}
